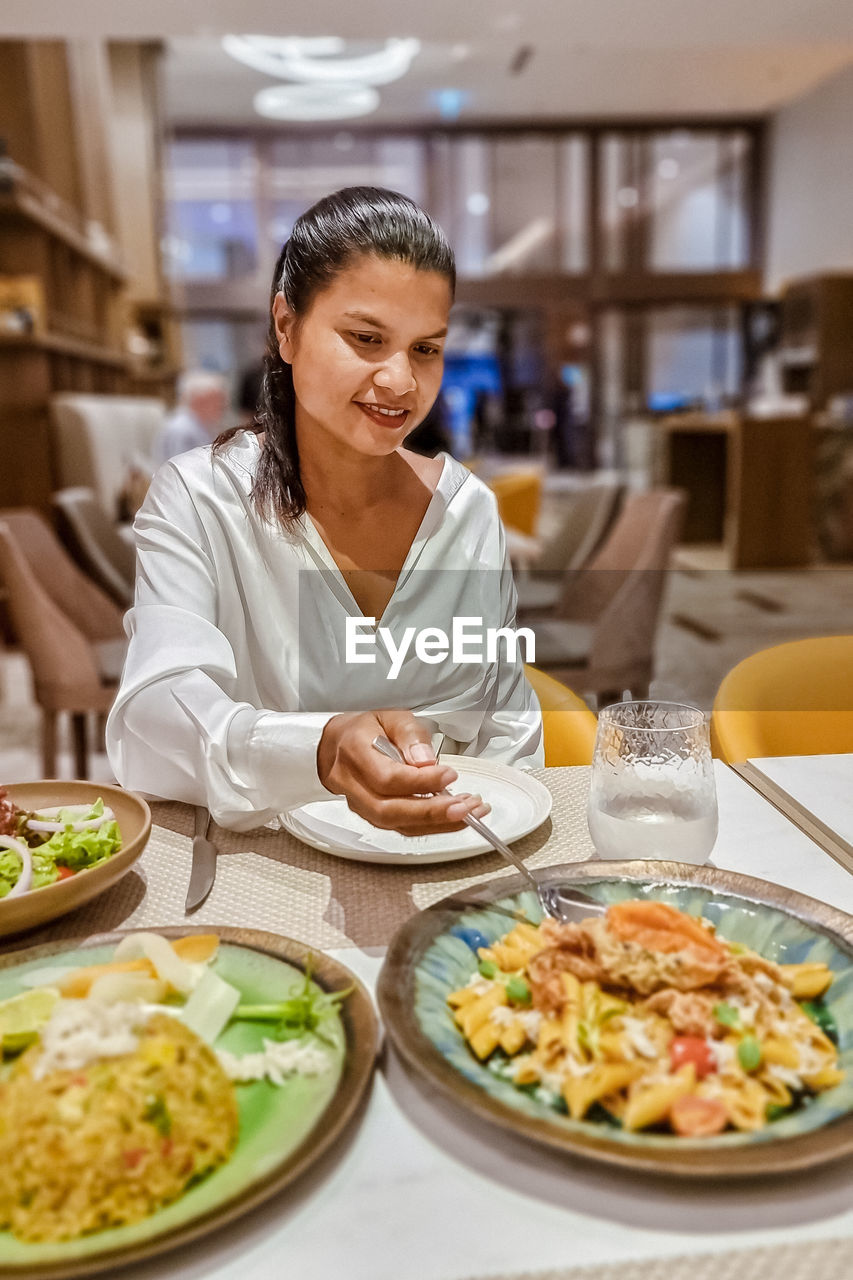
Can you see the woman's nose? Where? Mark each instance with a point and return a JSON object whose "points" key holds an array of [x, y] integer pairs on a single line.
{"points": [[396, 375]]}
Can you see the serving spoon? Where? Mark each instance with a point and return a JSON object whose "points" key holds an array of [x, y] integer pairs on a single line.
{"points": [[558, 903]]}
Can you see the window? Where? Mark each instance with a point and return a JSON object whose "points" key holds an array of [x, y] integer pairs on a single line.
{"points": [[211, 206], [676, 200], [693, 356]]}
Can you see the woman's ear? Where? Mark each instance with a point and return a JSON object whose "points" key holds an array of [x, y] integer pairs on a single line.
{"points": [[283, 318]]}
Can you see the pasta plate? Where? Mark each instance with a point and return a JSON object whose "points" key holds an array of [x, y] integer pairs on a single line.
{"points": [[432, 955]]}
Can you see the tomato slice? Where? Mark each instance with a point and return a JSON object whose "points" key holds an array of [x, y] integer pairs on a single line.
{"points": [[693, 1049], [65, 873], [694, 1117]]}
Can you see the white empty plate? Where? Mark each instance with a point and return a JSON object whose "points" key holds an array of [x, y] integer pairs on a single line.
{"points": [[519, 803]]}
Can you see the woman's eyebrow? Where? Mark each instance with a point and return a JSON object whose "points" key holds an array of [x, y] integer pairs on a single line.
{"points": [[364, 317]]}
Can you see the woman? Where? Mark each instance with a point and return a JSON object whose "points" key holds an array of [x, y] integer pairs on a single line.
{"points": [[264, 562]]}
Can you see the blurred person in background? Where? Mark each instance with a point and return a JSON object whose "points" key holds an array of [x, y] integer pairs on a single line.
{"points": [[199, 416]]}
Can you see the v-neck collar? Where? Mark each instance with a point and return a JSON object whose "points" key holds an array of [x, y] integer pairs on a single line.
{"points": [[452, 477]]}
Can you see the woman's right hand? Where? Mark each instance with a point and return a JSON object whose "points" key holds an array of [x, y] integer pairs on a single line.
{"points": [[389, 795]]}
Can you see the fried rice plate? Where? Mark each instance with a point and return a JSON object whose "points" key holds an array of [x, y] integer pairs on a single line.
{"points": [[113, 1142]]}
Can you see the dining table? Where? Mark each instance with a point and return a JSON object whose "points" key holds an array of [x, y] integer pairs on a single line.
{"points": [[815, 792], [420, 1189]]}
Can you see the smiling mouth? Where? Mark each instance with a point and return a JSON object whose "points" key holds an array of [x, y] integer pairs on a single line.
{"points": [[385, 417]]}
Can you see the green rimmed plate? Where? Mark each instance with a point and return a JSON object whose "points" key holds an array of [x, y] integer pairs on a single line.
{"points": [[282, 1130], [430, 957]]}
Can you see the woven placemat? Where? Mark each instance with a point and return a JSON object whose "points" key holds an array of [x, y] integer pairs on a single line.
{"points": [[814, 1260], [267, 879]]}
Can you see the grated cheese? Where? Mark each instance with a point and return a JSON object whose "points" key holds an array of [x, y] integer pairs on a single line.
{"points": [[638, 1037]]}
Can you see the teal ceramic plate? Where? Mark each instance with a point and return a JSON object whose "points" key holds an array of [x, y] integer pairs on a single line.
{"points": [[282, 1130], [432, 955]]}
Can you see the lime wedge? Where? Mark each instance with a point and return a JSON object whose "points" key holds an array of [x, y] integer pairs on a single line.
{"points": [[23, 1016]]}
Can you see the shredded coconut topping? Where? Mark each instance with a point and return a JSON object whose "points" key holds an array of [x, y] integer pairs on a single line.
{"points": [[279, 1058], [81, 1031]]}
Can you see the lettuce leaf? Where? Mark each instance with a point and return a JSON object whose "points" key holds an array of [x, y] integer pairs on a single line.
{"points": [[10, 869], [79, 849], [74, 849]]}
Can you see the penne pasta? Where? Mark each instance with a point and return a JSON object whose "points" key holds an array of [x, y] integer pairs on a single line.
{"points": [[806, 981], [650, 1104], [736, 1040], [472, 1016]]}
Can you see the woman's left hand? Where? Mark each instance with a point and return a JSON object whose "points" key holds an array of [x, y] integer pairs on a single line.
{"points": [[392, 796]]}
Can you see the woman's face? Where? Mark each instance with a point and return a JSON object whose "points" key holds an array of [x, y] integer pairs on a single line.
{"points": [[367, 355]]}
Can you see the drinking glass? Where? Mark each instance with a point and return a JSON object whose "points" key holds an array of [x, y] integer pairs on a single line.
{"points": [[652, 791]]}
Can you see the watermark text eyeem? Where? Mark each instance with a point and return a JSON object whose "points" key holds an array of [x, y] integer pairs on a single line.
{"points": [[469, 641]]}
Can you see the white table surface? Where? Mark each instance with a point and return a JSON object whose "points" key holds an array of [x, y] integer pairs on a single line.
{"points": [[823, 784], [420, 1192]]}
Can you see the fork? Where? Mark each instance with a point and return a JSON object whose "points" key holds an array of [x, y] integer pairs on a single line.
{"points": [[556, 902]]}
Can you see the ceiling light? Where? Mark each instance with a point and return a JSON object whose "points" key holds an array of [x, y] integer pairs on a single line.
{"points": [[311, 61], [627, 197], [316, 101], [668, 168], [460, 52]]}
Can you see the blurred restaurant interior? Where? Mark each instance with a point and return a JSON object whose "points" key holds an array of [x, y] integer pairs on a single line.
{"points": [[652, 221]]}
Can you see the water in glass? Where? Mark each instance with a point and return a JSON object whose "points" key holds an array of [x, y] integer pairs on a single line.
{"points": [[652, 792]]}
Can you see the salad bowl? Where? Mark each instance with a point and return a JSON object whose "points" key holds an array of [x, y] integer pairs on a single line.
{"points": [[38, 906]]}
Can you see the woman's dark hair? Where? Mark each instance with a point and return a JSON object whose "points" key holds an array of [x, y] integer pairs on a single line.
{"points": [[325, 240]]}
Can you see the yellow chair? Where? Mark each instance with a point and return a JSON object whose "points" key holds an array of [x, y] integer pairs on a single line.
{"points": [[794, 699], [518, 494], [568, 723]]}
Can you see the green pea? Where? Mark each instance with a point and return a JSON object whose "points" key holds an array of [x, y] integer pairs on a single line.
{"points": [[749, 1053], [518, 990]]}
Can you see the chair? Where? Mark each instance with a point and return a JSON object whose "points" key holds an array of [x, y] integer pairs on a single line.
{"points": [[103, 442], [568, 724], [587, 516], [600, 636], [792, 699], [69, 629], [518, 494], [96, 542]]}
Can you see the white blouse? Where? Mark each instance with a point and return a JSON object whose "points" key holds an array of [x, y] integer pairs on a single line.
{"points": [[238, 649]]}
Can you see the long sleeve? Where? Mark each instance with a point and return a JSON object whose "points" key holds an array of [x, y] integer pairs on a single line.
{"points": [[179, 727]]}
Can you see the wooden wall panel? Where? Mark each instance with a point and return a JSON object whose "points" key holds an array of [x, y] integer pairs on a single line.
{"points": [[52, 111], [89, 81]]}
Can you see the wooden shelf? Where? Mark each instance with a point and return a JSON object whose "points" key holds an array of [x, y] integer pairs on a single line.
{"points": [[23, 206], [67, 346]]}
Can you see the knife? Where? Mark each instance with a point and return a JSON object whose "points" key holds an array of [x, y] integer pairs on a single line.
{"points": [[203, 871]]}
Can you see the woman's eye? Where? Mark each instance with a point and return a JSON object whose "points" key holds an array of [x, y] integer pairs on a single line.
{"points": [[423, 349], [369, 339]]}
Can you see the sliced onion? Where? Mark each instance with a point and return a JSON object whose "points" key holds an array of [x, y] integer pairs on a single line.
{"points": [[49, 825], [25, 879], [168, 965], [210, 1007]]}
